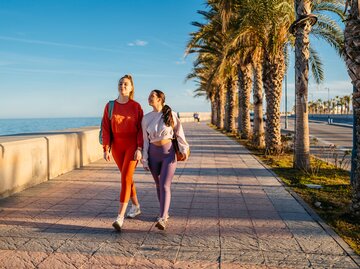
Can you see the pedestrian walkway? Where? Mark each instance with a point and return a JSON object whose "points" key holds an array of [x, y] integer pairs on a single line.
{"points": [[227, 211]]}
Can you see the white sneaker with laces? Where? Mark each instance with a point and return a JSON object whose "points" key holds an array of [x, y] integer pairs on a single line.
{"points": [[118, 223], [134, 211]]}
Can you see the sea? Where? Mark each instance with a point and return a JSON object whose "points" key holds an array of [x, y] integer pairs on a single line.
{"points": [[21, 126]]}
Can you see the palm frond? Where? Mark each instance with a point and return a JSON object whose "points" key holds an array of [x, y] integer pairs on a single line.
{"points": [[316, 66], [334, 7]]}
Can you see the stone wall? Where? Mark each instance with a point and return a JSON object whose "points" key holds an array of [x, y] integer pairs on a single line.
{"points": [[29, 159]]}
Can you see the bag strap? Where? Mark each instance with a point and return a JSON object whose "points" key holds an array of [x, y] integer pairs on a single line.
{"points": [[111, 107]]}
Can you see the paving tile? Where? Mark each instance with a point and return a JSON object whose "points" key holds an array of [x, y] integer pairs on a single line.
{"points": [[199, 240], [331, 261], [284, 245], [106, 262], [197, 258], [242, 258], [286, 259], [155, 256], [64, 260], [119, 249], [12, 243], [46, 245], [22, 259], [74, 246]]}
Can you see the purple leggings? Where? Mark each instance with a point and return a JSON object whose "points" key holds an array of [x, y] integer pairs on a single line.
{"points": [[162, 164]]}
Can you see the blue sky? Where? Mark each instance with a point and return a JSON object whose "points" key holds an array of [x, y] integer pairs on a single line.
{"points": [[64, 58]]}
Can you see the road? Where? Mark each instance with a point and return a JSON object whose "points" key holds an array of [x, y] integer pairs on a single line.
{"points": [[327, 135]]}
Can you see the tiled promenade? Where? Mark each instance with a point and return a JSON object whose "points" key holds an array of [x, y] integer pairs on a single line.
{"points": [[227, 211]]}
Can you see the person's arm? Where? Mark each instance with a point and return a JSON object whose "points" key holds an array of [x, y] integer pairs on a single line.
{"points": [[106, 133], [146, 142], [139, 139], [106, 129]]}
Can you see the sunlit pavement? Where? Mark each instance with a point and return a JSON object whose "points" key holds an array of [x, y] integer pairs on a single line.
{"points": [[227, 211]]}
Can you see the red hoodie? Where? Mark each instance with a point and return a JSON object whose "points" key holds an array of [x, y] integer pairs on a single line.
{"points": [[125, 123]]}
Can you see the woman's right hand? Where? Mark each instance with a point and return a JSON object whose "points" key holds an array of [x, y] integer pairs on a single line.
{"points": [[107, 156], [146, 166]]}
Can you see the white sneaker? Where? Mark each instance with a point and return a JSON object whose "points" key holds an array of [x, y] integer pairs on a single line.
{"points": [[161, 224], [118, 223], [133, 212]]}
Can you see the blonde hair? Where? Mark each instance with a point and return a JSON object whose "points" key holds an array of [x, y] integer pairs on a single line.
{"points": [[129, 77]]}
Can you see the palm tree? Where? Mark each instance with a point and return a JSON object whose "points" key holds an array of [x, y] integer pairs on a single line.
{"points": [[301, 29], [352, 57], [342, 104], [319, 104], [326, 29], [259, 134], [336, 104], [237, 19], [207, 43], [312, 107], [326, 107], [231, 101], [347, 100], [278, 17], [269, 31], [201, 77], [245, 86]]}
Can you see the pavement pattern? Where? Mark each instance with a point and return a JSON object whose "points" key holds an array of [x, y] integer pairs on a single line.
{"points": [[227, 211]]}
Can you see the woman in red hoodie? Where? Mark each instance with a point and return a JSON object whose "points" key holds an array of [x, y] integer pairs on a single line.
{"points": [[122, 136]]}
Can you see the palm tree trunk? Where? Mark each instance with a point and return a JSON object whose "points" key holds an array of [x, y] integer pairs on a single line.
{"points": [[227, 107], [218, 110], [232, 93], [245, 72], [302, 42], [352, 57], [258, 138], [273, 74], [221, 107], [213, 109], [240, 101]]}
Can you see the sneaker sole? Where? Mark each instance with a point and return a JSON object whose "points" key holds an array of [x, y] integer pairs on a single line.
{"points": [[116, 226]]}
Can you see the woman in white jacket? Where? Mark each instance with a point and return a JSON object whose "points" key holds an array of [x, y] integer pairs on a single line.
{"points": [[158, 128]]}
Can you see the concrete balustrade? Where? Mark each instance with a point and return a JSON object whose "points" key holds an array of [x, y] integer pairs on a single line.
{"points": [[23, 164], [28, 160]]}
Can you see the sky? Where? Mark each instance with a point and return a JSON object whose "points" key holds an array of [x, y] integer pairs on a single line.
{"points": [[64, 58]]}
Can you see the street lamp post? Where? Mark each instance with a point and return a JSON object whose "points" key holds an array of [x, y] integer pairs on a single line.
{"points": [[286, 111], [328, 103]]}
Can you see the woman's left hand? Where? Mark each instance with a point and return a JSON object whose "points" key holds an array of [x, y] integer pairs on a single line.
{"points": [[184, 156], [137, 155]]}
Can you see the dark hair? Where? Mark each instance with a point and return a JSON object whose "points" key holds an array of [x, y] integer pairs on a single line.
{"points": [[166, 110], [129, 77]]}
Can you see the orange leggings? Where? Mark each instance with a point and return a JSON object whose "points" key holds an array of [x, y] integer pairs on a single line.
{"points": [[123, 152]]}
